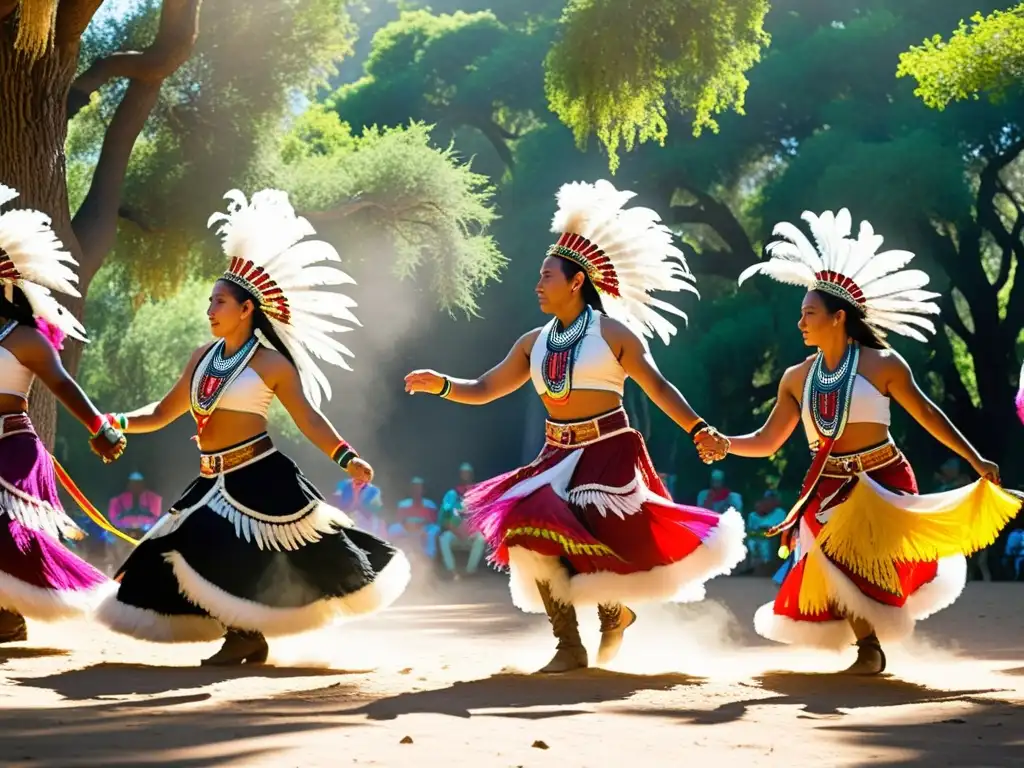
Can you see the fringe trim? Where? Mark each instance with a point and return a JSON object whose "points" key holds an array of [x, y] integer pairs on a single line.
{"points": [[606, 499], [680, 582], [36, 514], [276, 532], [875, 527], [239, 612], [144, 624], [45, 604]]}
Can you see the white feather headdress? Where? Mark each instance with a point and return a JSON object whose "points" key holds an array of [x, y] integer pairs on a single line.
{"points": [[262, 239], [890, 297], [33, 259], [626, 252]]}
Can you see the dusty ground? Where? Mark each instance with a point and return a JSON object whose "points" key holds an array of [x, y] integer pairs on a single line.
{"points": [[692, 687]]}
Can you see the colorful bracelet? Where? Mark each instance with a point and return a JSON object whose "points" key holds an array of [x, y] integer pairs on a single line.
{"points": [[697, 428], [343, 455], [119, 420], [446, 389], [96, 425]]}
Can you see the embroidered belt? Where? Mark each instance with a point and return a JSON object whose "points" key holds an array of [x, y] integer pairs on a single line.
{"points": [[15, 423], [576, 433], [211, 464], [845, 465]]}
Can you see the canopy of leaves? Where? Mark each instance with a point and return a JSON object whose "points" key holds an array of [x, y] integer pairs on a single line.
{"points": [[985, 56], [619, 68]]}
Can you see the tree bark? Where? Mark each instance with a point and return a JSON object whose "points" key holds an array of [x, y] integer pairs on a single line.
{"points": [[33, 127]]}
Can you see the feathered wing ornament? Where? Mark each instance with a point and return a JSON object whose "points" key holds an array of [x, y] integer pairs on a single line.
{"points": [[626, 252], [264, 239], [33, 259], [891, 297]]}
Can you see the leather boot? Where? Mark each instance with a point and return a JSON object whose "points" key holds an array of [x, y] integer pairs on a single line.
{"points": [[240, 646], [570, 653], [615, 618], [12, 626], [870, 657]]}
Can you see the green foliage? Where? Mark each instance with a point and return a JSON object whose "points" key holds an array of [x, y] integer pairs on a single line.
{"points": [[619, 67], [391, 192], [986, 56]]}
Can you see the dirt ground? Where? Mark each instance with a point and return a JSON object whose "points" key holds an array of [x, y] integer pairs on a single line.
{"points": [[441, 680]]}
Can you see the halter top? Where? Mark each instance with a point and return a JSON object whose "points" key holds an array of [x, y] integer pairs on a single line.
{"points": [[595, 367], [867, 406], [247, 394], [15, 378], [240, 388]]}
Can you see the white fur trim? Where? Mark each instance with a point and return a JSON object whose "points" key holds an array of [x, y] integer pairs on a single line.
{"points": [[681, 582], [50, 604], [239, 612], [144, 624], [890, 623]]}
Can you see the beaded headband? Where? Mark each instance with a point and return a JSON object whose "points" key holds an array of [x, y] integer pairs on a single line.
{"points": [[258, 282], [591, 258]]}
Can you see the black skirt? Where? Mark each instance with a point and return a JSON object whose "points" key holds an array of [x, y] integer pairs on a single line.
{"points": [[255, 548]]}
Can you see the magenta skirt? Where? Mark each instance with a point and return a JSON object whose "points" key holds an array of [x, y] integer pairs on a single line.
{"points": [[40, 578]]}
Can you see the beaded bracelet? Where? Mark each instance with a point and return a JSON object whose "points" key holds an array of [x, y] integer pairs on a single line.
{"points": [[343, 455], [119, 420]]}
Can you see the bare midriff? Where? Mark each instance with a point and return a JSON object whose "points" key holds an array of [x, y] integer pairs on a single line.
{"points": [[582, 404], [226, 429], [859, 437], [12, 404]]}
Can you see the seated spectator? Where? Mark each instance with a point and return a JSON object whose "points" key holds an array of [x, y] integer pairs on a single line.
{"points": [[416, 519], [768, 512], [669, 481], [453, 535], [718, 498], [1014, 552], [363, 503], [133, 513]]}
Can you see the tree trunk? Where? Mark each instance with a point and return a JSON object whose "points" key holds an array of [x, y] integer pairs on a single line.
{"points": [[33, 127]]}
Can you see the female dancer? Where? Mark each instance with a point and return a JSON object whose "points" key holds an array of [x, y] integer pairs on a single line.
{"points": [[39, 577], [589, 521], [873, 556], [251, 548]]}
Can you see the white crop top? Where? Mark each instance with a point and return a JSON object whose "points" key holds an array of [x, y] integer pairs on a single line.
{"points": [[595, 366], [15, 378], [247, 394], [868, 406]]}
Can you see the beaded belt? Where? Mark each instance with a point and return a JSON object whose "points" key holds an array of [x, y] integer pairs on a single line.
{"points": [[845, 465], [575, 433], [14, 424], [211, 464]]}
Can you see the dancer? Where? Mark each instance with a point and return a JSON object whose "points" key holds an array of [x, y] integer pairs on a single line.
{"points": [[873, 556], [39, 577], [589, 521], [251, 548]]}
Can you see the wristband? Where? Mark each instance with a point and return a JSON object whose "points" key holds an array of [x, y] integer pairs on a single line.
{"points": [[118, 420], [446, 389], [343, 455], [96, 425], [697, 428]]}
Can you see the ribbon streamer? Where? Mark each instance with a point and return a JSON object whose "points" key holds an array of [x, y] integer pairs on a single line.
{"points": [[86, 506]]}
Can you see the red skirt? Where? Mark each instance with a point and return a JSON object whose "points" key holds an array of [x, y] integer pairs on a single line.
{"points": [[591, 517], [924, 587]]}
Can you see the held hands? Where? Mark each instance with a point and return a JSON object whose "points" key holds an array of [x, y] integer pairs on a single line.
{"points": [[424, 381], [360, 470], [711, 445], [109, 443]]}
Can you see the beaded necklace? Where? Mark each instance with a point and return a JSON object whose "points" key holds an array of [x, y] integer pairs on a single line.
{"points": [[214, 374], [830, 392], [563, 348]]}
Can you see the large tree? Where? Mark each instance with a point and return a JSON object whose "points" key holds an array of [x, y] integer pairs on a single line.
{"points": [[168, 113]]}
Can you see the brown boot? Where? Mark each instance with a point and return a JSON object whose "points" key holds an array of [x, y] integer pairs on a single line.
{"points": [[240, 646], [570, 653], [615, 618], [870, 657], [12, 627]]}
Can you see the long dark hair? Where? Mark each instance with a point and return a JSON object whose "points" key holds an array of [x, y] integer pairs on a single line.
{"points": [[590, 295], [18, 309], [260, 322], [856, 326]]}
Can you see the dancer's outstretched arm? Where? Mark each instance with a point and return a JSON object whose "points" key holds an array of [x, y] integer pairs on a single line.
{"points": [[901, 386], [158, 415], [781, 421], [283, 378], [503, 379]]}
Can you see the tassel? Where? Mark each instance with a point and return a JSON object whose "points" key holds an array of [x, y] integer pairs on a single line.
{"points": [[814, 590], [37, 21]]}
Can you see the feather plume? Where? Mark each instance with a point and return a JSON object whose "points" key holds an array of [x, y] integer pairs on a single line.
{"points": [[268, 232]]}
